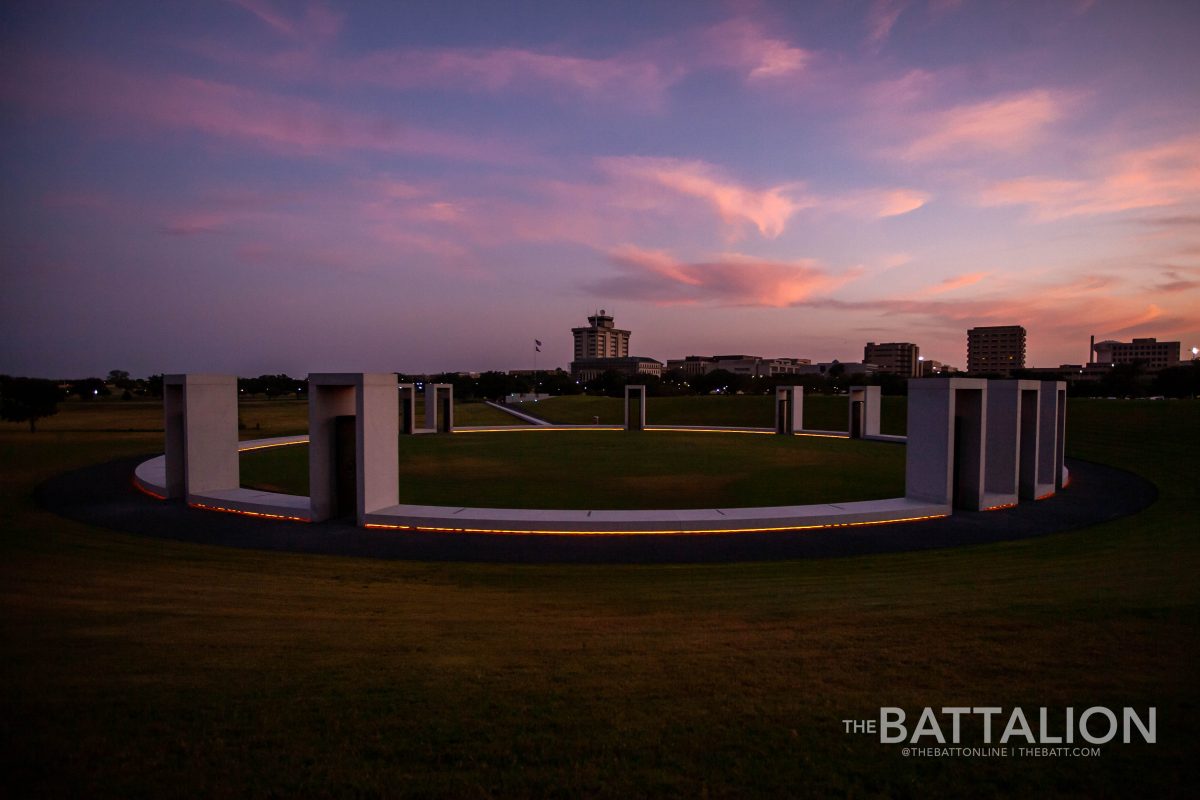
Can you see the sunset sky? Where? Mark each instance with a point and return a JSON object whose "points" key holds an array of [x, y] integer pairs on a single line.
{"points": [[254, 186]]}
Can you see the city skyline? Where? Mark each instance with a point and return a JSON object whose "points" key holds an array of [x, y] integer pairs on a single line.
{"points": [[252, 186]]}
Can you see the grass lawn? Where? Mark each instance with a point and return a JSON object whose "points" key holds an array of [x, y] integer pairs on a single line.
{"points": [[137, 666], [821, 412], [616, 469]]}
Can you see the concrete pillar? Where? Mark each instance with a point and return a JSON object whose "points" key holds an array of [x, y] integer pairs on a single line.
{"points": [[867, 413], [1011, 440], [201, 418], [789, 409], [408, 408], [373, 401], [437, 394], [1052, 436], [639, 422], [944, 464]]}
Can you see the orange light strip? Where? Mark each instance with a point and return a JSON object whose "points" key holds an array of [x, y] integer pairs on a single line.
{"points": [[137, 485], [703, 430], [382, 526], [267, 446], [205, 507], [997, 508], [824, 435], [1046, 496], [521, 429]]}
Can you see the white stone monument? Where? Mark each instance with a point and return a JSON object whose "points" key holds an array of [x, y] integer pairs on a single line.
{"points": [[637, 422], [353, 444], [201, 423], [789, 409]]}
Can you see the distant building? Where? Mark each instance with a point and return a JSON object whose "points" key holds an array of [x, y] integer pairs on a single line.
{"points": [[600, 339], [997, 349], [586, 369], [927, 368], [898, 358], [602, 347], [1152, 353], [754, 366], [845, 368]]}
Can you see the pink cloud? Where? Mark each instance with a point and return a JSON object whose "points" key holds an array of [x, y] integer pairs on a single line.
{"points": [[741, 45], [881, 18], [1166, 174], [731, 279], [129, 101], [318, 22], [1054, 311], [1010, 123], [879, 203], [618, 78], [953, 283], [638, 78], [768, 210]]}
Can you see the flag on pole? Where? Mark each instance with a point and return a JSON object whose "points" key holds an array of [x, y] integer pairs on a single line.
{"points": [[537, 345]]}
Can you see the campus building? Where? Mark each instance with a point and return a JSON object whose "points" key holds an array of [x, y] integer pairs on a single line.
{"points": [[1150, 352], [754, 366], [898, 358], [600, 339], [995, 350], [602, 347], [586, 369]]}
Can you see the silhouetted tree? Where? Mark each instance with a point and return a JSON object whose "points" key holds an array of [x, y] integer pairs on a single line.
{"points": [[1181, 381], [89, 388], [28, 400]]}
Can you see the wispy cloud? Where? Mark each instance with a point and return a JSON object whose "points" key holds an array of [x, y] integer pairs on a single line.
{"points": [[743, 46], [637, 78], [768, 210], [317, 23], [119, 99], [881, 18], [1166, 174], [1010, 123], [729, 279], [952, 283]]}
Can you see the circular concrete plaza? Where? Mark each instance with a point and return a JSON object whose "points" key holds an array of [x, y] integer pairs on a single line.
{"points": [[105, 495]]}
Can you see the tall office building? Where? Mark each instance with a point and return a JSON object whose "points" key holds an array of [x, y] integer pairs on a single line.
{"points": [[600, 339], [898, 358], [996, 350], [1150, 352]]}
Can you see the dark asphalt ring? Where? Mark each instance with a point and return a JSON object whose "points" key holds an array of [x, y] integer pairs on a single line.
{"points": [[103, 495]]}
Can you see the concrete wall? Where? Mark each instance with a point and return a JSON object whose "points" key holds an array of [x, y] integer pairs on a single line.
{"points": [[1011, 439], [639, 422], [933, 405], [200, 417], [408, 413], [373, 400], [433, 393], [1053, 434], [789, 409], [869, 417]]}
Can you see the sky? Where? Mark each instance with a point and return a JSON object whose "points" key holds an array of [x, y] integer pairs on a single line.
{"points": [[254, 186]]}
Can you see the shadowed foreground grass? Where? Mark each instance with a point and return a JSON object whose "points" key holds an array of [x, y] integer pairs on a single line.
{"points": [[617, 469], [144, 667]]}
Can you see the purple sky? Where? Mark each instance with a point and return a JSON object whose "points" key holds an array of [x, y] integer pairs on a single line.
{"points": [[257, 185]]}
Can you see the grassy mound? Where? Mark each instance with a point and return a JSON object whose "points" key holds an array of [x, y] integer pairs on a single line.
{"points": [[616, 469]]}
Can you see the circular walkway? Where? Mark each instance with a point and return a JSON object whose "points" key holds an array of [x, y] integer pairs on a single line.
{"points": [[104, 495]]}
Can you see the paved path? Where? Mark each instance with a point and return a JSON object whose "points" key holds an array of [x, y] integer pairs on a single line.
{"points": [[103, 495]]}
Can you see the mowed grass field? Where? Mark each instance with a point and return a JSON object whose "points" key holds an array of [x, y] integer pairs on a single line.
{"points": [[548, 468], [144, 667], [821, 412]]}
